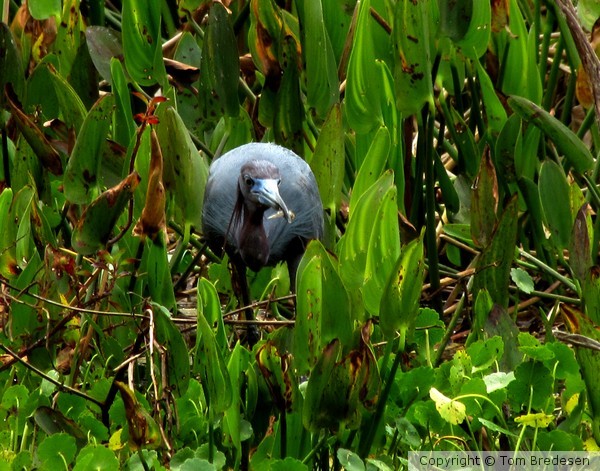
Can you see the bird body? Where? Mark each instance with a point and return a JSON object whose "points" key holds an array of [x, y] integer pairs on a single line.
{"points": [[262, 205]]}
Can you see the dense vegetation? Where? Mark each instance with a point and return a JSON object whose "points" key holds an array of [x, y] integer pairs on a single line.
{"points": [[452, 304]]}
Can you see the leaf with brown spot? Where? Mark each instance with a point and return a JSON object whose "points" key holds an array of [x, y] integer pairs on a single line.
{"points": [[143, 430], [93, 230], [484, 202], [40, 144], [152, 221]]}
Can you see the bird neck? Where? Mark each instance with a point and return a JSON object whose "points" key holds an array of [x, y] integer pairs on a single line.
{"points": [[252, 239]]}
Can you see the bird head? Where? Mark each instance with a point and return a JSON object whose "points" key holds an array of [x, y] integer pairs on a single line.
{"points": [[259, 186]]}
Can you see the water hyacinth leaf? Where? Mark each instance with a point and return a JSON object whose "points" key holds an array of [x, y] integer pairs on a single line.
{"points": [[143, 429], [104, 45], [81, 175], [413, 24], [93, 230], [320, 65], [353, 246], [362, 107], [402, 292], [186, 170], [123, 124], [10, 64], [152, 221], [323, 312], [217, 89], [554, 197], [588, 359], [69, 37], [209, 305], [40, 144], [495, 112], [320, 409], [274, 367], [8, 261], [372, 165], [382, 252], [288, 116], [494, 262], [210, 364], [142, 43], [475, 41], [580, 246], [565, 140], [484, 202], [171, 339], [328, 160], [72, 109], [455, 18]]}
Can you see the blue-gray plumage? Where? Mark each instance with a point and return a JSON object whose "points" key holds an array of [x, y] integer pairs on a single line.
{"points": [[262, 205]]}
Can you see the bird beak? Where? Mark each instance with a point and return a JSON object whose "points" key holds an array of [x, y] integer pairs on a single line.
{"points": [[267, 192]]}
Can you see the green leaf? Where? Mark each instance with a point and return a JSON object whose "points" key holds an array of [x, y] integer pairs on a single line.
{"points": [[177, 355], [142, 42], [349, 460], [10, 64], [97, 457], [185, 169], [323, 310], [81, 175], [104, 45], [413, 25], [496, 114], [217, 89], [57, 450], [566, 141], [532, 386], [93, 230], [554, 196], [475, 41], [484, 202], [400, 299], [494, 262], [321, 68], [328, 160], [522, 279], [453, 412]]}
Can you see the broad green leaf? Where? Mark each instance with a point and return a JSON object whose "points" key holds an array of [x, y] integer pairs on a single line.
{"points": [[144, 432], [554, 196], [44, 9], [328, 160], [185, 169], [475, 41], [514, 80], [353, 246], [498, 380], [69, 37], [413, 25], [382, 251], [8, 232], [123, 124], [209, 305], [522, 279], [209, 362], [532, 386], [350, 460], [104, 45], [81, 175], [275, 368], [170, 338], [372, 165], [323, 310], [402, 292], [217, 89], [509, 144], [142, 42], [494, 110], [453, 412], [485, 353], [494, 262], [567, 143], [580, 244], [10, 64], [484, 202], [98, 457], [320, 65], [455, 18], [56, 451], [93, 230], [363, 109]]}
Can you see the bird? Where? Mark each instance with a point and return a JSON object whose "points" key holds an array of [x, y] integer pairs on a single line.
{"points": [[262, 206]]}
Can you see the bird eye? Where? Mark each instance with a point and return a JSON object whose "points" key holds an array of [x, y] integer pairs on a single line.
{"points": [[278, 181], [248, 181]]}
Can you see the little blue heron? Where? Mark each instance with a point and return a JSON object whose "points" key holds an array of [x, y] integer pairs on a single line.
{"points": [[262, 205]]}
